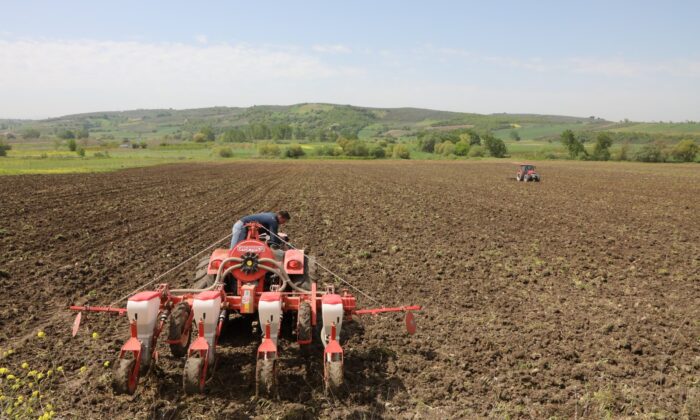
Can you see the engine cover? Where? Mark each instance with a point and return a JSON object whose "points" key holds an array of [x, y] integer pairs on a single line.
{"points": [[251, 251]]}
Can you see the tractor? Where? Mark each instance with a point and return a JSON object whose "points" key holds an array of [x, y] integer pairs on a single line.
{"points": [[269, 285], [526, 172]]}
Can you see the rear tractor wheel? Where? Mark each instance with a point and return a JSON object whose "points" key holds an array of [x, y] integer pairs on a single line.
{"points": [[180, 330], [202, 280]]}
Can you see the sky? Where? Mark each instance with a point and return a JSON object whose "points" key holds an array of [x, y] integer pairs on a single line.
{"points": [[610, 59]]}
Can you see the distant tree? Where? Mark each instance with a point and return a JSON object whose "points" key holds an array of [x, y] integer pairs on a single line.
{"points": [[601, 150], [199, 138], [401, 152], [31, 133], [65, 134], [494, 145], [72, 145], [685, 151], [208, 133], [83, 133], [652, 152], [474, 138], [268, 149], [462, 148], [445, 148], [377, 152], [226, 152], [4, 147], [427, 143], [81, 152], [572, 144], [294, 151], [233, 135], [514, 135]]}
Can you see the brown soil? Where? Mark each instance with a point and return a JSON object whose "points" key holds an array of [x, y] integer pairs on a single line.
{"points": [[577, 296]]}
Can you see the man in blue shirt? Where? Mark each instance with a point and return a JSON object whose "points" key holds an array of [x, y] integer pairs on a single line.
{"points": [[270, 221]]}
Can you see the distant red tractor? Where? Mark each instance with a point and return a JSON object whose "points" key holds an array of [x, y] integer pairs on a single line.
{"points": [[526, 172], [269, 286]]}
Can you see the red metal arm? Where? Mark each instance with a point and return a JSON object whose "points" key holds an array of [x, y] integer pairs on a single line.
{"points": [[120, 311], [381, 310]]}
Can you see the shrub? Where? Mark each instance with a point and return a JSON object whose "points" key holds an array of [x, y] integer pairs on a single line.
{"points": [[573, 145], [377, 152], [72, 145], [623, 154], [685, 151], [65, 134], [199, 138], [31, 133], [268, 149], [445, 148], [476, 151], [81, 152], [294, 151], [495, 146], [601, 150], [462, 148], [226, 152], [401, 151], [4, 148], [652, 152], [328, 150]]}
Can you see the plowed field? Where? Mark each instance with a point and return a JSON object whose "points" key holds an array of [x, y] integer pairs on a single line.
{"points": [[576, 296]]}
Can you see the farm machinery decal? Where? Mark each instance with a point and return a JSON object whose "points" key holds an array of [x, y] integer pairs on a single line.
{"points": [[262, 283]]}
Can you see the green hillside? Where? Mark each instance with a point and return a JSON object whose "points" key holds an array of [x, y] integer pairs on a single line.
{"points": [[325, 122]]}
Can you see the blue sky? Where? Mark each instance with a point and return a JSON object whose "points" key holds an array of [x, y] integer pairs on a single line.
{"points": [[616, 59]]}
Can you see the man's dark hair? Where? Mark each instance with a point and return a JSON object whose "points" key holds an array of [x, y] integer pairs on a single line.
{"points": [[284, 214]]}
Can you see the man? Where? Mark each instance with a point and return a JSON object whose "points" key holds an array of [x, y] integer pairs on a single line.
{"points": [[270, 221]]}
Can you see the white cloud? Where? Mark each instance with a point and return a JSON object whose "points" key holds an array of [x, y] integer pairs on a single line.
{"points": [[86, 75], [332, 49], [202, 39]]}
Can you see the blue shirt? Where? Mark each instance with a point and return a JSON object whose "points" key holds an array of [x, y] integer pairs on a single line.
{"points": [[268, 220]]}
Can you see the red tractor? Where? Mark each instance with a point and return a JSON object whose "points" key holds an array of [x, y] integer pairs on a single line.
{"points": [[270, 286], [526, 172]]}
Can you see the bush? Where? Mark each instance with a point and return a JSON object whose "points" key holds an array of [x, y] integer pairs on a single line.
{"points": [[601, 150], [495, 146], [377, 152], [65, 134], [476, 151], [4, 148], [268, 149], [623, 154], [199, 138], [226, 152], [445, 148], [294, 151], [81, 152], [462, 148], [401, 152], [573, 145], [72, 145], [31, 133], [685, 151], [328, 150], [652, 152]]}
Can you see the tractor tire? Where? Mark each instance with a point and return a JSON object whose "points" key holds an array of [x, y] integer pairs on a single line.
{"points": [[177, 325], [266, 378], [202, 280], [334, 381], [192, 379], [304, 329], [124, 380]]}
